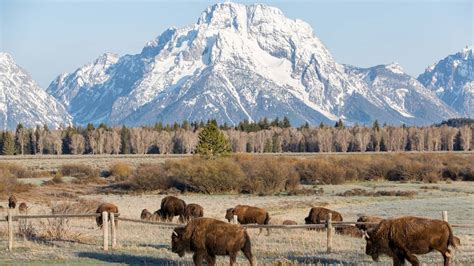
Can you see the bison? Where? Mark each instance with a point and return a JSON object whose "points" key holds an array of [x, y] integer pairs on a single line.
{"points": [[12, 202], [403, 237], [349, 230], [145, 215], [193, 211], [105, 207], [248, 215], [207, 237], [318, 215], [170, 207], [289, 222], [23, 208], [368, 219]]}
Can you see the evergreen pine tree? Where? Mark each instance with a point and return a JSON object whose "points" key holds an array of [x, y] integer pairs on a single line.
{"points": [[125, 140], [286, 122], [8, 144], [339, 124], [376, 126], [268, 146], [212, 142], [321, 125]]}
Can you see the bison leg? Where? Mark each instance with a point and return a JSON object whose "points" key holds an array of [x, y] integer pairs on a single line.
{"points": [[412, 259], [181, 219], [233, 258], [210, 259], [398, 261], [197, 258], [447, 259]]}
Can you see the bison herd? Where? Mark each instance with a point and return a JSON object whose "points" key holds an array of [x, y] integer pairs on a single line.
{"points": [[12, 202], [399, 238]]}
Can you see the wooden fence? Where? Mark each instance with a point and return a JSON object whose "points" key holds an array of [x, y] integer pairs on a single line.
{"points": [[109, 224]]}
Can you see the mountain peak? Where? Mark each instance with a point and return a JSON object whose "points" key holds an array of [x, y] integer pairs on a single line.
{"points": [[6, 58], [395, 68]]}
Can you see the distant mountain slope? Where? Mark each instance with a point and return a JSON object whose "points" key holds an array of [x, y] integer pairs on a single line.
{"points": [[237, 62], [403, 93], [23, 101], [452, 79]]}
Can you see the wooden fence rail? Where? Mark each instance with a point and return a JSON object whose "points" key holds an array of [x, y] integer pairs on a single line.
{"points": [[109, 219]]}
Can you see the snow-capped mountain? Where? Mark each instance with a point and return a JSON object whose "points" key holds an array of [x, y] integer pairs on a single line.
{"points": [[452, 79], [237, 62], [23, 101], [403, 93]]}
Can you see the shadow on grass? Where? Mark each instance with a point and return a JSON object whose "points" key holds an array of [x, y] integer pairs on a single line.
{"points": [[318, 260], [159, 246], [125, 258]]}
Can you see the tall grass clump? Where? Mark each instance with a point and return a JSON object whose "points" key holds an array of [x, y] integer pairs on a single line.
{"points": [[121, 170]]}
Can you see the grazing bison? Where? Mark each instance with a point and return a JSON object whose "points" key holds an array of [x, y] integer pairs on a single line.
{"points": [[12, 202], [193, 211], [349, 230], [170, 207], [23, 208], [368, 219], [105, 207], [248, 215], [289, 222], [318, 215], [403, 237], [207, 237], [145, 215]]}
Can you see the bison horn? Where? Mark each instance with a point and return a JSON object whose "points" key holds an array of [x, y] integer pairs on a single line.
{"points": [[366, 235], [174, 233]]}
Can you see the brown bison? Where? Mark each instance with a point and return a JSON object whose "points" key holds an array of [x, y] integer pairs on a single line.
{"points": [[318, 215], [368, 219], [248, 215], [145, 215], [349, 230], [289, 222], [105, 207], [193, 211], [208, 238], [403, 237], [12, 202], [23, 208], [171, 206]]}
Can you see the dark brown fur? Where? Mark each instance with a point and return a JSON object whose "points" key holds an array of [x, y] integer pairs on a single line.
{"points": [[368, 219], [171, 206], [289, 222], [248, 215], [402, 238], [193, 211], [12, 202], [350, 230], [208, 238], [23, 208], [318, 215], [106, 207]]}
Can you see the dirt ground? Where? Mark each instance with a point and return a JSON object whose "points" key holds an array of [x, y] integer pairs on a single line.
{"points": [[141, 244]]}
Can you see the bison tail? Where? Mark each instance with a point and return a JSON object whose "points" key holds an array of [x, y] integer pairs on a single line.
{"points": [[452, 240], [267, 218]]}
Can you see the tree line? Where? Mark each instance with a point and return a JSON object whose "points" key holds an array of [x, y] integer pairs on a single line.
{"points": [[262, 136]]}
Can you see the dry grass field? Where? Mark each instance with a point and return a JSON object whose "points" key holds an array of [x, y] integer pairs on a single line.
{"points": [[142, 244]]}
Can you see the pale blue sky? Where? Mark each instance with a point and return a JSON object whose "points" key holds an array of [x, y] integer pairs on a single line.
{"points": [[51, 37]]}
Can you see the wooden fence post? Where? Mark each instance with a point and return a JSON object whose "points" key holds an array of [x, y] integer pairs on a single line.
{"points": [[113, 230], [10, 230], [105, 228], [329, 233], [445, 215], [235, 219]]}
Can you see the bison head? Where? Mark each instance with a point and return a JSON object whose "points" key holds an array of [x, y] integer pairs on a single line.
{"points": [[229, 215], [371, 247], [179, 245], [145, 214], [307, 220]]}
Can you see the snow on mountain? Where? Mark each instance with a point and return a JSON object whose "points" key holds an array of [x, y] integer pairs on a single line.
{"points": [[452, 79], [237, 62], [23, 101], [404, 94]]}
